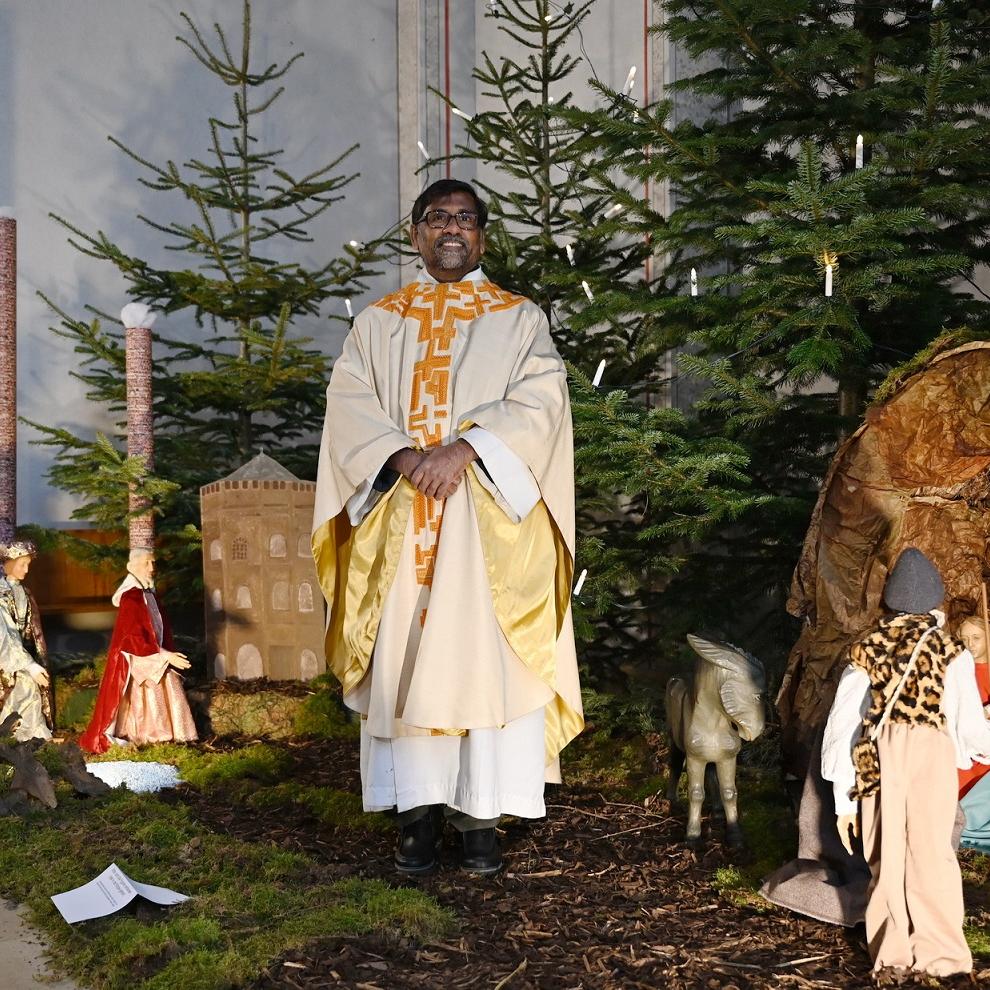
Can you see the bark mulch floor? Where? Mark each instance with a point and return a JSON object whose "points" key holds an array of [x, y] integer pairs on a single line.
{"points": [[600, 894]]}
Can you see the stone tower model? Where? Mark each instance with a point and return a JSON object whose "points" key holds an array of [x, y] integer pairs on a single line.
{"points": [[264, 610]]}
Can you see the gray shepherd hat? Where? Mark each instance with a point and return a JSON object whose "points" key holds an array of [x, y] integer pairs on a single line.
{"points": [[914, 585]]}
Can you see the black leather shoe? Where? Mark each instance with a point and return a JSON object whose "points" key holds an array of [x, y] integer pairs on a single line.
{"points": [[416, 851], [482, 854]]}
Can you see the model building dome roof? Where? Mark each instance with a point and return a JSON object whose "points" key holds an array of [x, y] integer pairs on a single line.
{"points": [[261, 468]]}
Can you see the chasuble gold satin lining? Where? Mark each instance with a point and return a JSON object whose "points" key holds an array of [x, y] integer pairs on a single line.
{"points": [[530, 602]]}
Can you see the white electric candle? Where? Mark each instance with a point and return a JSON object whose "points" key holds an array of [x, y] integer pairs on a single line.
{"points": [[569, 248], [597, 380], [694, 282], [460, 113], [357, 245], [423, 151], [580, 582], [613, 211], [350, 310], [587, 291], [627, 86], [859, 151], [828, 280]]}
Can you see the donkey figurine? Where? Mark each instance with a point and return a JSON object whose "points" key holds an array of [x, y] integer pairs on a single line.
{"points": [[707, 718]]}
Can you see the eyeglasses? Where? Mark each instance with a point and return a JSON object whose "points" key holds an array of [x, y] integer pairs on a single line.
{"points": [[438, 219]]}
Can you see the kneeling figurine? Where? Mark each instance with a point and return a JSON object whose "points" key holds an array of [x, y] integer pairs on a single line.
{"points": [[140, 698]]}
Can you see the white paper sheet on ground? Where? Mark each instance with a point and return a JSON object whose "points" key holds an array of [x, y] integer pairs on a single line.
{"points": [[109, 892]]}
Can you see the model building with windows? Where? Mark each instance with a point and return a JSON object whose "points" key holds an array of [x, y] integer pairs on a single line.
{"points": [[264, 610]]}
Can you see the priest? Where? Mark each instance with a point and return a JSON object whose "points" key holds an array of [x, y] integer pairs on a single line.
{"points": [[444, 542]]}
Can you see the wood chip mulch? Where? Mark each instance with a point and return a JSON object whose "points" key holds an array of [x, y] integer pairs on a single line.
{"points": [[599, 894]]}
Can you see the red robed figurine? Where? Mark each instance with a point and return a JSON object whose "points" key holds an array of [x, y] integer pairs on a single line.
{"points": [[140, 698]]}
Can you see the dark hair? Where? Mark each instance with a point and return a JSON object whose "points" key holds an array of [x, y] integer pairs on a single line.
{"points": [[443, 188]]}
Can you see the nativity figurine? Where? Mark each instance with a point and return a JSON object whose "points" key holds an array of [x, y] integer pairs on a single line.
{"points": [[906, 714], [141, 699], [709, 717], [974, 784], [24, 679]]}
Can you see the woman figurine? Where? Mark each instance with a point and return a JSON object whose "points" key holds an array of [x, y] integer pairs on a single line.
{"points": [[906, 714], [972, 633], [974, 786], [140, 698], [24, 682]]}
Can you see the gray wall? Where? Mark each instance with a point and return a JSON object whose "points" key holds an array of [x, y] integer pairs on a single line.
{"points": [[73, 72]]}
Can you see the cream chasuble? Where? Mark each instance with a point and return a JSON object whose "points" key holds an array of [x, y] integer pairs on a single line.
{"points": [[449, 621]]}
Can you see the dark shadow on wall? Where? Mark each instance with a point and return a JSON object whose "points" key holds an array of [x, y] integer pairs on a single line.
{"points": [[7, 132]]}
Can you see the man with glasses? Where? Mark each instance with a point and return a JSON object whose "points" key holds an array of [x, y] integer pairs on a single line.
{"points": [[444, 539]]}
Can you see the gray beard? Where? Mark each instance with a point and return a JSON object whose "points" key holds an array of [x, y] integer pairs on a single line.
{"points": [[450, 256]]}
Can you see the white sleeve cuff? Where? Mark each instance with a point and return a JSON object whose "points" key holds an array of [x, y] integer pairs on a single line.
{"points": [[362, 501], [366, 497], [963, 711], [852, 699], [512, 481], [34, 669]]}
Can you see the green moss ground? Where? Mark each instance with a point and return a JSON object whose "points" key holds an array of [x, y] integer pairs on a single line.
{"points": [[322, 714], [249, 901], [328, 806], [258, 761]]}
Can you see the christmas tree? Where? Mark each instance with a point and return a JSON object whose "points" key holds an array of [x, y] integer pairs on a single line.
{"points": [[241, 380], [834, 206], [649, 485]]}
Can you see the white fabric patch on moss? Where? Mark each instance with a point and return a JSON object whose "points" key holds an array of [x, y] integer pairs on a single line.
{"points": [[142, 778]]}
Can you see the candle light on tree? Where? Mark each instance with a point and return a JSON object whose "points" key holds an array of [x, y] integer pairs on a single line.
{"points": [[423, 151], [830, 262], [587, 291], [569, 248], [627, 86], [859, 151], [580, 582], [349, 308], [694, 281], [597, 380]]}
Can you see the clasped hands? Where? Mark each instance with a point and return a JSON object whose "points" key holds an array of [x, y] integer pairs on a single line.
{"points": [[436, 472]]}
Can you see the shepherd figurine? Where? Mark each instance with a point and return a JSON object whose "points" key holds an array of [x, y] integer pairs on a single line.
{"points": [[907, 713]]}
